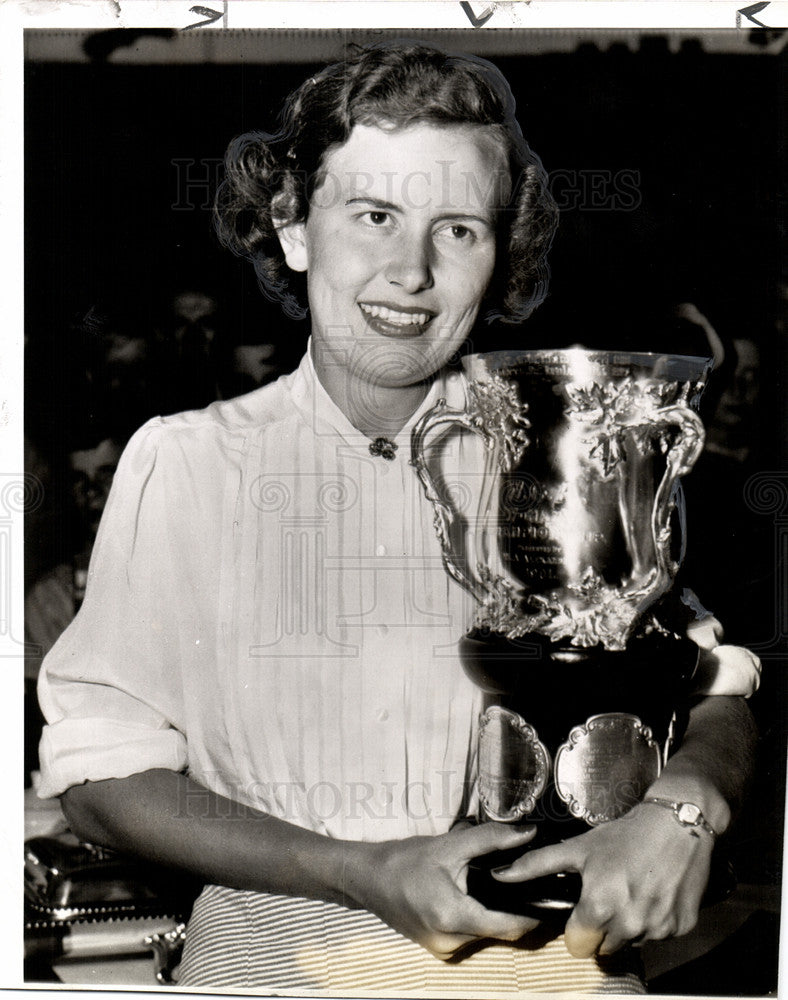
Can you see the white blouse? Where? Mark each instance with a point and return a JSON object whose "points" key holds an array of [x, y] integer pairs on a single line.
{"points": [[267, 609]]}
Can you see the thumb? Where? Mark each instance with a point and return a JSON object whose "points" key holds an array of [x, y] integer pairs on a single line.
{"points": [[488, 837], [582, 940], [544, 861]]}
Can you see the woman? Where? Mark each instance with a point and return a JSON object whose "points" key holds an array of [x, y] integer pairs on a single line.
{"points": [[265, 664]]}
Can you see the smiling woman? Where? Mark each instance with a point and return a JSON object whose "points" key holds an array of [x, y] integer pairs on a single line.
{"points": [[271, 179], [396, 269], [266, 660], [398, 179]]}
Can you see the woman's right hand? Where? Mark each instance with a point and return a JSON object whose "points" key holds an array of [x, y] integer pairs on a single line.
{"points": [[418, 886]]}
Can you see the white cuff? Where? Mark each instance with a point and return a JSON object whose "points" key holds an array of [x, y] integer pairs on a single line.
{"points": [[76, 750]]}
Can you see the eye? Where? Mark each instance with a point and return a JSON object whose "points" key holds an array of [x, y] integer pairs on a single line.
{"points": [[376, 218], [457, 232]]}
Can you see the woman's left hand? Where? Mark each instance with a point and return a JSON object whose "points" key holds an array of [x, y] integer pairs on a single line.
{"points": [[643, 875]]}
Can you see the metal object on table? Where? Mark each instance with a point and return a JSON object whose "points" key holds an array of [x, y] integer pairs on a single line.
{"points": [[167, 948], [83, 901]]}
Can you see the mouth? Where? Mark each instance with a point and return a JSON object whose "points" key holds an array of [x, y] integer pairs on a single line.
{"points": [[391, 322]]}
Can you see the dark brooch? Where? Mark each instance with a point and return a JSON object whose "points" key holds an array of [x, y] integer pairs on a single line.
{"points": [[383, 447]]}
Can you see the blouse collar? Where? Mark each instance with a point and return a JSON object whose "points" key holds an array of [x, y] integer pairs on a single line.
{"points": [[319, 409]]}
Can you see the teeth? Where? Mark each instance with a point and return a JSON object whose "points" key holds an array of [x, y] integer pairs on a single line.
{"points": [[397, 318]]}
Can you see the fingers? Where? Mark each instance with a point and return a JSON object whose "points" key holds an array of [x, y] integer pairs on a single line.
{"points": [[474, 924], [499, 925], [582, 941], [728, 670], [592, 929], [444, 946], [706, 632], [585, 937], [722, 670], [488, 837], [544, 861], [605, 920]]}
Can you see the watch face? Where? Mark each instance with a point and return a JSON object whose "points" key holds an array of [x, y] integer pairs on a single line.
{"points": [[689, 813]]}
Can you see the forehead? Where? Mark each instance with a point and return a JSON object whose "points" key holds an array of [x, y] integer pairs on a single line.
{"points": [[422, 166], [747, 353], [90, 460]]}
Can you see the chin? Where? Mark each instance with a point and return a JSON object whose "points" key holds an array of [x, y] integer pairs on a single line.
{"points": [[408, 377]]}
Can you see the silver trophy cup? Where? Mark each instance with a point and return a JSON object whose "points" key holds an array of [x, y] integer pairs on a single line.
{"points": [[570, 546]]}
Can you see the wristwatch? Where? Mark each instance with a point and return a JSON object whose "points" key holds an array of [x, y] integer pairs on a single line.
{"points": [[686, 813]]}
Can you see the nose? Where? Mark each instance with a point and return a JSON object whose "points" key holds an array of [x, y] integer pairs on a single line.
{"points": [[409, 266]]}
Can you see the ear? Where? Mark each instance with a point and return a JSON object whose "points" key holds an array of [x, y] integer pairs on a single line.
{"points": [[292, 239]]}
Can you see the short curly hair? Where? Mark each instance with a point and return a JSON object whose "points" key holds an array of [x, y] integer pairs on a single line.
{"points": [[392, 85]]}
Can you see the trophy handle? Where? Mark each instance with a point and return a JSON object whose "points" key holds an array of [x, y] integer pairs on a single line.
{"points": [[444, 514], [681, 457]]}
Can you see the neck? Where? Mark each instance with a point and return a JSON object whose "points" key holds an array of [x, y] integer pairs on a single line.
{"points": [[376, 411]]}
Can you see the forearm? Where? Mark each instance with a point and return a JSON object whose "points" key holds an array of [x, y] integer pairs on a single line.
{"points": [[171, 819], [417, 885], [713, 765]]}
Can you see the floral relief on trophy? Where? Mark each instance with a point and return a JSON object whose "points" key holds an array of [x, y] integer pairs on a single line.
{"points": [[497, 410], [598, 613], [615, 410]]}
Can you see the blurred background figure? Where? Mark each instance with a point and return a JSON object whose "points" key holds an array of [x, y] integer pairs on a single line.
{"points": [[731, 561], [187, 343], [111, 374], [730, 430], [730, 545], [252, 366], [54, 599], [82, 416], [248, 361]]}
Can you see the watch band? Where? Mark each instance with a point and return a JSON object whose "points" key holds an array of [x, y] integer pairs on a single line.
{"points": [[686, 813]]}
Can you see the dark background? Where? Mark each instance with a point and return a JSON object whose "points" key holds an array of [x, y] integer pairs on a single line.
{"points": [[108, 220], [701, 130]]}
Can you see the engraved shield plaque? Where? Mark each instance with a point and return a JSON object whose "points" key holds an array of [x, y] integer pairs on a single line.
{"points": [[514, 765], [605, 766]]}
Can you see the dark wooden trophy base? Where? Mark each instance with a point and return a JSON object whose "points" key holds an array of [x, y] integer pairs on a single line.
{"points": [[554, 688]]}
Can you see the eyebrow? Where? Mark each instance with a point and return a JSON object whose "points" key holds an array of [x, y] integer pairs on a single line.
{"points": [[377, 202], [387, 206]]}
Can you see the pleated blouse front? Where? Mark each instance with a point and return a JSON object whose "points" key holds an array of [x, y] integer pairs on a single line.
{"points": [[267, 607]]}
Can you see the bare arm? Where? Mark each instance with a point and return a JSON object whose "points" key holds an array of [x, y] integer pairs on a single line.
{"points": [[714, 764], [644, 875], [169, 818], [417, 885]]}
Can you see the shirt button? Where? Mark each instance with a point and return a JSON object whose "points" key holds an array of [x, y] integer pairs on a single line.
{"points": [[381, 550], [382, 714], [383, 630]]}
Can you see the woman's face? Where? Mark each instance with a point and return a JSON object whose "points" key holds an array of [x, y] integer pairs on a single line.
{"points": [[399, 248]]}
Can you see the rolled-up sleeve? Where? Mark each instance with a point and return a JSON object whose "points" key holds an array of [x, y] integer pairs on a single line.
{"points": [[111, 689]]}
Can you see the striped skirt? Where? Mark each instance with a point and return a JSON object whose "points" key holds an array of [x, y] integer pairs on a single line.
{"points": [[281, 944]]}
